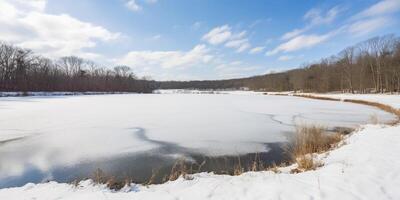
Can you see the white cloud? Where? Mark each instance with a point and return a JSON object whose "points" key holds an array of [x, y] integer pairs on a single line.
{"points": [[239, 35], [366, 26], [256, 50], [293, 33], [49, 34], [374, 17], [133, 5], [300, 42], [224, 35], [156, 37], [314, 17], [235, 69], [259, 21], [167, 59], [240, 44], [276, 70], [297, 39], [381, 8], [218, 35], [285, 58], [196, 25]]}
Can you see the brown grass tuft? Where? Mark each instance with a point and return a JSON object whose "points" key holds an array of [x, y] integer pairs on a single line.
{"points": [[381, 106], [100, 177], [238, 169], [307, 162], [179, 169], [316, 97], [307, 141]]}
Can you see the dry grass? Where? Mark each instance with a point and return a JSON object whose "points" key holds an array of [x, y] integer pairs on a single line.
{"points": [[383, 107], [307, 162], [238, 169], [100, 177], [309, 140], [152, 177], [316, 97], [257, 164], [180, 168]]}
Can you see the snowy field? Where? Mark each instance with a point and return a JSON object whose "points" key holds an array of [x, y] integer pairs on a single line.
{"points": [[61, 131]]}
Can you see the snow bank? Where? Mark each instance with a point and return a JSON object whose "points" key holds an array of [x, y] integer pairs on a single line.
{"points": [[367, 167]]}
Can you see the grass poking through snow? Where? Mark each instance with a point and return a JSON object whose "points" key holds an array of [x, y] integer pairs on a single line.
{"points": [[309, 140]]}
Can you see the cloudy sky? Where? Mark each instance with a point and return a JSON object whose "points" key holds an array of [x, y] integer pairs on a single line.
{"points": [[195, 39]]}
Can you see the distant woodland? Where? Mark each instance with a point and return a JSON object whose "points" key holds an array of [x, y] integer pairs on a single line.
{"points": [[21, 70], [372, 66]]}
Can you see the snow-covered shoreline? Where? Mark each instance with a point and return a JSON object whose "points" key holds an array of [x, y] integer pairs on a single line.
{"points": [[61, 93], [366, 167]]}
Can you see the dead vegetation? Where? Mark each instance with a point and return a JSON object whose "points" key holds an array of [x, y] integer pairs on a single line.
{"points": [[100, 177], [380, 106], [307, 141], [179, 169], [316, 97]]}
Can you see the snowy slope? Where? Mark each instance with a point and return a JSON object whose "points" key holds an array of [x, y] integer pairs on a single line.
{"points": [[367, 167]]}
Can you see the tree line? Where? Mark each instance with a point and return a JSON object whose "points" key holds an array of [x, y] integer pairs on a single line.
{"points": [[22, 70], [372, 66]]}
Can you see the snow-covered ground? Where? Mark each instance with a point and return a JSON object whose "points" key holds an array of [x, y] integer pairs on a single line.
{"points": [[18, 94], [367, 167]]}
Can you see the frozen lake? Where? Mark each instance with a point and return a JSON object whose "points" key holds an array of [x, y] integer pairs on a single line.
{"points": [[64, 137]]}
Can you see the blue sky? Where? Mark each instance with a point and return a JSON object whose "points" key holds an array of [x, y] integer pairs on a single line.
{"points": [[196, 39]]}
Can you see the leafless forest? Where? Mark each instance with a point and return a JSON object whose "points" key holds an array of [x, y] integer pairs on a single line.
{"points": [[21, 70], [370, 66]]}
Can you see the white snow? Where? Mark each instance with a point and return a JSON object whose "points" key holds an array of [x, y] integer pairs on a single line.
{"points": [[18, 94], [367, 167]]}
